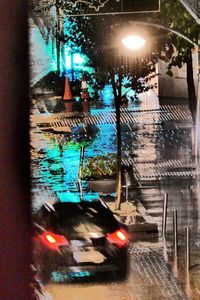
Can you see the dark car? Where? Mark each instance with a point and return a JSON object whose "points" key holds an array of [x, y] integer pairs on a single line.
{"points": [[78, 240]]}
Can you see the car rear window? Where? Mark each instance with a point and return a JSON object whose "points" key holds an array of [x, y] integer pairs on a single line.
{"points": [[79, 217]]}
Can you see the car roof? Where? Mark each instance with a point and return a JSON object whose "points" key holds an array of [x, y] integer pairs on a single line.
{"points": [[69, 214]]}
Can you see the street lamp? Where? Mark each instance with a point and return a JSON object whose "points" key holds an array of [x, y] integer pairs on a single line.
{"points": [[133, 42]]}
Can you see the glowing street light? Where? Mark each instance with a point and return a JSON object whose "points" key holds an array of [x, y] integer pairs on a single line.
{"points": [[133, 42]]}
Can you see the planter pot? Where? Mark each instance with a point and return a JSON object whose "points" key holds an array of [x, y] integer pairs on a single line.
{"points": [[105, 186]]}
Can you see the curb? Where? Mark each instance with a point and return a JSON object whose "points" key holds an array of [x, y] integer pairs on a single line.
{"points": [[145, 222], [136, 219]]}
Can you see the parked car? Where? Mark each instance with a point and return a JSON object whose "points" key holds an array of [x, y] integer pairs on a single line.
{"points": [[78, 240]]}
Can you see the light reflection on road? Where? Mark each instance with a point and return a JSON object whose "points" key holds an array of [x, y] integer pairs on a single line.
{"points": [[149, 279]]}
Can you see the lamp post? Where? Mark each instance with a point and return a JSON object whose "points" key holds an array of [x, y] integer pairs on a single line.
{"points": [[131, 43]]}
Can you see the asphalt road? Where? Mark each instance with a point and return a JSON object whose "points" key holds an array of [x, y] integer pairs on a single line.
{"points": [[149, 278]]}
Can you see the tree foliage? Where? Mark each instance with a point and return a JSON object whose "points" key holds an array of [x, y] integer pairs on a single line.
{"points": [[175, 16]]}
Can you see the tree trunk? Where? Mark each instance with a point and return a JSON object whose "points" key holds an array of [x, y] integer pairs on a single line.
{"points": [[58, 48], [117, 99], [191, 86], [119, 153]]}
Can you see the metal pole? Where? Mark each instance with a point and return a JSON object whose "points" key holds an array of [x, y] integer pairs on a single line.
{"points": [[197, 119], [80, 189], [187, 247], [164, 220], [126, 193], [175, 231], [80, 173], [194, 148], [126, 175], [81, 162]]}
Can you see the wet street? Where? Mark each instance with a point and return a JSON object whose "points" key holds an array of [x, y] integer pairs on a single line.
{"points": [[157, 144], [149, 278]]}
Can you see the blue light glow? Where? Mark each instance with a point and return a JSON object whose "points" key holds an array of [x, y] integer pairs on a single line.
{"points": [[61, 277], [68, 196], [75, 60], [68, 63], [78, 58], [107, 95]]}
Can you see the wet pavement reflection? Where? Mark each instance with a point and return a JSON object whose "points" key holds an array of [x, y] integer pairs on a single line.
{"points": [[156, 142], [149, 278]]}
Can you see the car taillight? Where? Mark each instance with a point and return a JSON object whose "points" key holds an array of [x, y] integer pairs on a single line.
{"points": [[52, 240], [119, 237]]}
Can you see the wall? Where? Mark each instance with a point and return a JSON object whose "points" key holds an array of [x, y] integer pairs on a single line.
{"points": [[42, 46], [15, 221]]}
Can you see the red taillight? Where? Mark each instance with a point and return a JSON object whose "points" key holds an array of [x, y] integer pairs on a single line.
{"points": [[52, 240], [119, 237]]}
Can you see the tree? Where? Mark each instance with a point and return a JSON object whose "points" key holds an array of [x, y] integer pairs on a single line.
{"points": [[114, 65], [174, 15]]}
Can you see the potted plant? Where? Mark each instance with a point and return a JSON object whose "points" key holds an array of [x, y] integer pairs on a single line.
{"points": [[100, 172]]}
